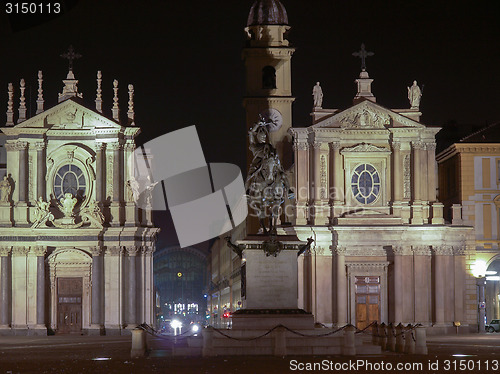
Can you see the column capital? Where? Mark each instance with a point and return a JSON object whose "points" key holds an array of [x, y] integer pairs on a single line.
{"points": [[339, 250], [334, 146], [442, 250], [129, 146], [96, 251], [115, 146], [317, 145], [38, 250], [10, 146], [114, 251], [131, 251], [418, 145], [20, 251], [421, 250], [300, 146], [99, 146], [40, 146], [430, 146], [396, 145], [459, 250], [4, 251], [147, 251], [401, 250], [20, 145]]}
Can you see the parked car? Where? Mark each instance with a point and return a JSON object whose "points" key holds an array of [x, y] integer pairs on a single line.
{"points": [[493, 326]]}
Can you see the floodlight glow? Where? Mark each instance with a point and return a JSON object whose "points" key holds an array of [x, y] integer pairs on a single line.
{"points": [[493, 278], [196, 328], [479, 269], [491, 272], [176, 324]]}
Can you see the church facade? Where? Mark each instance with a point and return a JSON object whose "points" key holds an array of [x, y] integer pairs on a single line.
{"points": [[76, 252], [365, 183]]}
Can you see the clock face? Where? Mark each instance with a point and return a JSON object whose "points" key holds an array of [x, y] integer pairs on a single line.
{"points": [[273, 117]]}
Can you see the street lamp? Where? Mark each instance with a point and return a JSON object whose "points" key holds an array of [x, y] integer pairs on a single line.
{"points": [[479, 271]]}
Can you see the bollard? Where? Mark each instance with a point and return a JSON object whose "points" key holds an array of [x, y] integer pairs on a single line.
{"points": [[375, 339], [382, 336], [208, 341], [391, 339], [400, 340], [349, 348], [421, 344], [280, 341], [138, 343], [409, 340]]}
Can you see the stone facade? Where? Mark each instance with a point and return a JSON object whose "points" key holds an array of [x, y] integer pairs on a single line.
{"points": [[86, 268]]}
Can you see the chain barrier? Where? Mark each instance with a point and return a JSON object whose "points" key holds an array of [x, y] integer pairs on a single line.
{"points": [[412, 328], [151, 331]]}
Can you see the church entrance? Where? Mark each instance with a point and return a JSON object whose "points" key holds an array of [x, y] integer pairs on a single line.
{"points": [[367, 296], [69, 305]]}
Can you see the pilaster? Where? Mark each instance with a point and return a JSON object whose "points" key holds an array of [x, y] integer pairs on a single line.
{"points": [[320, 185], [301, 182]]}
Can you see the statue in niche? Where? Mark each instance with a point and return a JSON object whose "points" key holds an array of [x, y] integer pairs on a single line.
{"points": [[5, 190], [317, 96], [68, 203], [414, 95], [266, 184], [133, 190]]}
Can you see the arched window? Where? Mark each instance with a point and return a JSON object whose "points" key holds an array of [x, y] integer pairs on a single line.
{"points": [[365, 184], [268, 77]]}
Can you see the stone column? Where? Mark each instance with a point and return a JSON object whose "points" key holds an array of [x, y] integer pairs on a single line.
{"points": [[113, 287], [132, 287], [40, 286], [20, 298], [320, 183], [117, 177], [417, 213], [301, 182], [398, 252], [431, 171], [337, 171], [397, 171], [40, 170], [100, 170], [97, 284], [422, 284], [22, 183], [440, 283], [5, 286], [148, 301], [341, 287], [459, 286]]}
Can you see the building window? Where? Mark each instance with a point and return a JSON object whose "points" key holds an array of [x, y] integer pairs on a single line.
{"points": [[268, 78], [69, 179], [365, 184]]}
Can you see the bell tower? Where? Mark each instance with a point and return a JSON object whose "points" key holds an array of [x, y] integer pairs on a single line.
{"points": [[267, 57]]}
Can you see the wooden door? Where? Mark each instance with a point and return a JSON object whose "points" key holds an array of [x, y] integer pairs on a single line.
{"points": [[367, 301], [69, 305]]}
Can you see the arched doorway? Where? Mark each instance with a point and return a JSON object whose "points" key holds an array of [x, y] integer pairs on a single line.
{"points": [[70, 290]]}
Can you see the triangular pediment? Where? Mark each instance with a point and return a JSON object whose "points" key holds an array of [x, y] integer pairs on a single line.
{"points": [[69, 115], [367, 115]]}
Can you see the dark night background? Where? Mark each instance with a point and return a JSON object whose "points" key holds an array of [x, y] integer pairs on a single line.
{"points": [[184, 59]]}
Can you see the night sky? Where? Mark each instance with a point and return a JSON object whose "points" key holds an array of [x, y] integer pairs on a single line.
{"points": [[184, 59]]}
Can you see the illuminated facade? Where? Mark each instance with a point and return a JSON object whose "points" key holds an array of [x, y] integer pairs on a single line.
{"points": [[76, 252], [366, 192]]}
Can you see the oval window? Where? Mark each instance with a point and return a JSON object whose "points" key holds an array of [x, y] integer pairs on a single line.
{"points": [[69, 179], [365, 184]]}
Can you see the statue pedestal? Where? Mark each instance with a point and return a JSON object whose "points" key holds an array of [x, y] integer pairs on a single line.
{"points": [[5, 214], [271, 284]]}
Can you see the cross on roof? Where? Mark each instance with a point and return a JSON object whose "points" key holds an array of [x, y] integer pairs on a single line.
{"points": [[70, 56], [363, 54]]}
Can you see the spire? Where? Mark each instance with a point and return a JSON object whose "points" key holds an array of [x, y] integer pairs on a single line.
{"points": [[70, 89], [10, 106], [39, 100], [22, 103], [130, 112], [98, 100], [116, 110]]}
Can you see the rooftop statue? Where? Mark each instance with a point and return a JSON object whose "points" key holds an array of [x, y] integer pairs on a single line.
{"points": [[317, 96], [414, 95], [266, 184]]}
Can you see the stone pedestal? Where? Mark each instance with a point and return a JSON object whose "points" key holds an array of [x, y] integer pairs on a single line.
{"points": [[5, 214], [271, 284]]}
